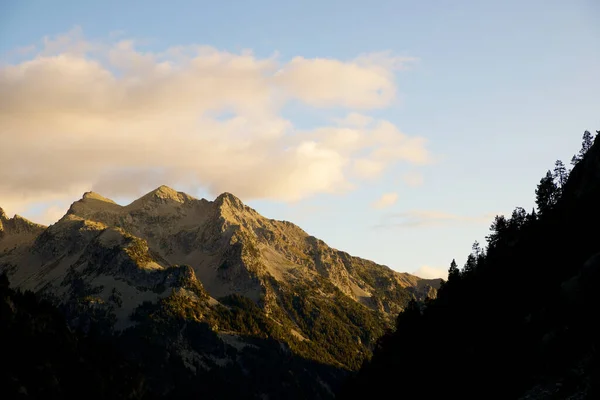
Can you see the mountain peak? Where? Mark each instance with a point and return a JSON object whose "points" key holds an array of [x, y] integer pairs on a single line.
{"points": [[164, 190], [166, 193], [2, 214], [230, 200], [90, 203], [96, 196], [161, 195]]}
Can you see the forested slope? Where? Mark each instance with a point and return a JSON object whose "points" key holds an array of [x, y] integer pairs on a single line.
{"points": [[519, 320]]}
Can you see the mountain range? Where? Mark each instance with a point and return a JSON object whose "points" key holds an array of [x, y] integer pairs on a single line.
{"points": [[239, 287]]}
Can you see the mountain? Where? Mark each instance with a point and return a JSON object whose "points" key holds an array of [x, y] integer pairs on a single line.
{"points": [[16, 231], [218, 292], [490, 335]]}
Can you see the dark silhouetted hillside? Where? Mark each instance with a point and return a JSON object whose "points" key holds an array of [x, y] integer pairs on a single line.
{"points": [[42, 358], [519, 320]]}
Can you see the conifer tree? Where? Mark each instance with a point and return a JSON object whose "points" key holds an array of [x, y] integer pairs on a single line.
{"points": [[471, 264], [546, 194], [560, 174], [532, 217], [586, 143], [453, 272], [498, 229], [476, 248], [518, 218]]}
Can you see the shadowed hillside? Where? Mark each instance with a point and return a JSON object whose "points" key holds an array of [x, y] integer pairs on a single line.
{"points": [[43, 358], [48, 359], [518, 320]]}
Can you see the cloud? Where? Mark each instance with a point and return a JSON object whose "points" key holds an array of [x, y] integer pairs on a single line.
{"points": [[427, 218], [80, 115], [429, 272], [367, 168], [386, 200], [364, 83], [413, 179], [25, 50]]}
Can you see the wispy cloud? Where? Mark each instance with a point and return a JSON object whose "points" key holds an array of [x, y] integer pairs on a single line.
{"points": [[386, 200], [25, 50], [413, 178], [109, 117], [427, 218]]}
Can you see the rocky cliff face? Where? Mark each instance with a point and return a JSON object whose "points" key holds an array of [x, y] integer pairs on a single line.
{"points": [[231, 248], [198, 260]]}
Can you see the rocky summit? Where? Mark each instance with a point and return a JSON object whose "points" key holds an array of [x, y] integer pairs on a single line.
{"points": [[240, 287]]}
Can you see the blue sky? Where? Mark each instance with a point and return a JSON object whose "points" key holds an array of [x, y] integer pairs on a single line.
{"points": [[497, 91]]}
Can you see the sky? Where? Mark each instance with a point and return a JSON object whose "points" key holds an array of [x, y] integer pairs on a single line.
{"points": [[393, 130]]}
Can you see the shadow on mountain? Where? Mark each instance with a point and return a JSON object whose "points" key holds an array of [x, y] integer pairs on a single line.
{"points": [[45, 358]]}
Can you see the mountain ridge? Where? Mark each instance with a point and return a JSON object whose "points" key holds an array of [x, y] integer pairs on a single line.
{"points": [[170, 256], [225, 201], [16, 230]]}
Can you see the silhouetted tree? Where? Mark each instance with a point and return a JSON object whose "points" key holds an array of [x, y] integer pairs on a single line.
{"points": [[498, 229], [476, 248], [531, 218], [470, 264], [574, 160], [586, 143], [410, 315], [453, 272], [560, 174], [546, 194], [518, 218]]}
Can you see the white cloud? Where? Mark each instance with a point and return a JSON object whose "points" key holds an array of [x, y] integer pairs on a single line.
{"points": [[368, 168], [81, 115], [386, 200], [364, 83], [429, 272]]}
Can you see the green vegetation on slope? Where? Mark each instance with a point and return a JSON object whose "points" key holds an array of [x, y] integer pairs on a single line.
{"points": [[337, 330]]}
